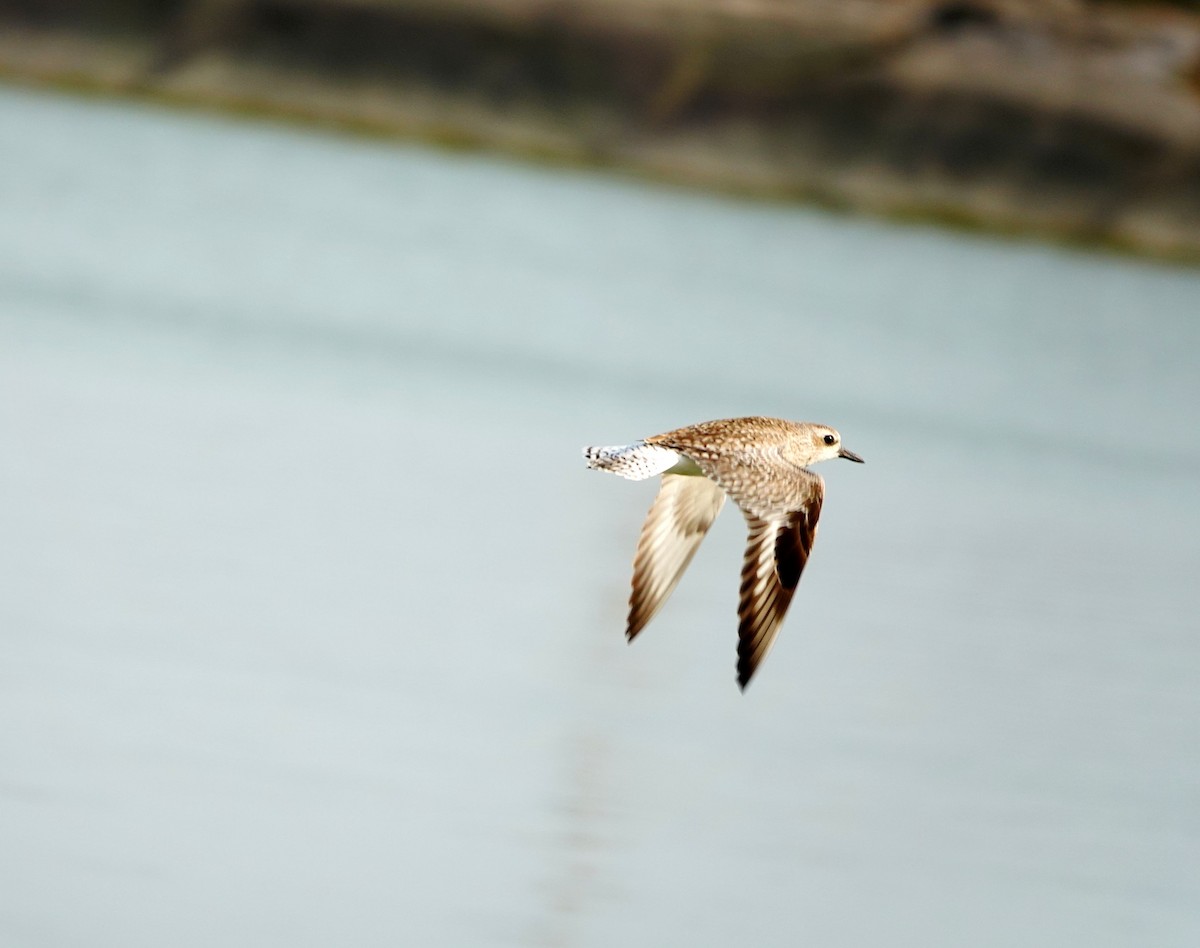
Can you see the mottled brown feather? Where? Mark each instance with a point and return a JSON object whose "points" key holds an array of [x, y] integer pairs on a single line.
{"points": [[683, 510]]}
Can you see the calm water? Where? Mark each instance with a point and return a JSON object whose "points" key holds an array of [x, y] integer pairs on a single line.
{"points": [[310, 616]]}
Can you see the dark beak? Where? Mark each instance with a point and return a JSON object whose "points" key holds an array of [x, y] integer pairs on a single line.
{"points": [[850, 456]]}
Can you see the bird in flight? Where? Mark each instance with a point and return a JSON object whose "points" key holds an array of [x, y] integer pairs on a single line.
{"points": [[763, 464]]}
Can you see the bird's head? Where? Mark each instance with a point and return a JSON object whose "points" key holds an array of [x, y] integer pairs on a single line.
{"points": [[827, 444]]}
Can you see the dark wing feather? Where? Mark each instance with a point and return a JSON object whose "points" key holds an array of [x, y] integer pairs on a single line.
{"points": [[776, 552]]}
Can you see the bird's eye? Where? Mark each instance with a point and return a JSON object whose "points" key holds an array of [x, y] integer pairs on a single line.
{"points": [[830, 439]]}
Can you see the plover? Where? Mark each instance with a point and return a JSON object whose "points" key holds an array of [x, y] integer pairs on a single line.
{"points": [[763, 464]]}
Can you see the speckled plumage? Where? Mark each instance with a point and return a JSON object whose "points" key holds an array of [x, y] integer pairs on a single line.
{"points": [[762, 463]]}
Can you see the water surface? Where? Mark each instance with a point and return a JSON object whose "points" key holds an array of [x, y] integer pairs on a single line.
{"points": [[311, 617]]}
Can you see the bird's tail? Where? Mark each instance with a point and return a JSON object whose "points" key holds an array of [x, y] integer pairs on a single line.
{"points": [[636, 461]]}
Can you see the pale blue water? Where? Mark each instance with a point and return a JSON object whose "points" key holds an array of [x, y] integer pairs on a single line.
{"points": [[310, 616]]}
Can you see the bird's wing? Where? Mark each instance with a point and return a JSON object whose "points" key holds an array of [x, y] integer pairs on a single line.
{"points": [[681, 514], [776, 552]]}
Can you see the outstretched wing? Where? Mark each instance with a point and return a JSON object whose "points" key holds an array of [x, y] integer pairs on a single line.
{"points": [[776, 552], [681, 514]]}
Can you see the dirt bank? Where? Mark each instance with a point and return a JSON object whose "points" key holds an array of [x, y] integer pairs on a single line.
{"points": [[1072, 119]]}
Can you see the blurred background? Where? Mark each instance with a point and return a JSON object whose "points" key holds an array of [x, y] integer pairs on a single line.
{"points": [[310, 614]]}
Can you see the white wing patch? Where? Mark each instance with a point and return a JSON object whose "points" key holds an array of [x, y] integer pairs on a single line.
{"points": [[636, 461]]}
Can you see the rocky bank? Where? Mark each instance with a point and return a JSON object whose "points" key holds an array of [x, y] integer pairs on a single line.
{"points": [[1077, 120]]}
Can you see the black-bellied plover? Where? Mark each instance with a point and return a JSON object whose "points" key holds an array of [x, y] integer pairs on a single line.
{"points": [[762, 463]]}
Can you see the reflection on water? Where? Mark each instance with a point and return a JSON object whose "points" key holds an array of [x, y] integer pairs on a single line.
{"points": [[312, 616]]}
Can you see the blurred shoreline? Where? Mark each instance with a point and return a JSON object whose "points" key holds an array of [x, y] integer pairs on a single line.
{"points": [[1070, 120]]}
